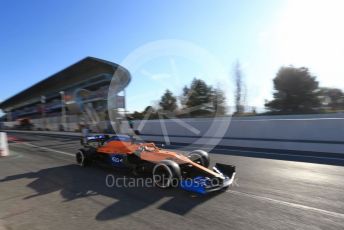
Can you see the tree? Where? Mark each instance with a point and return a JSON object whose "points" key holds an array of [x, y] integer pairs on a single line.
{"points": [[219, 102], [149, 109], [240, 92], [332, 97], [149, 113], [199, 98], [296, 91], [168, 102], [137, 115], [184, 97]]}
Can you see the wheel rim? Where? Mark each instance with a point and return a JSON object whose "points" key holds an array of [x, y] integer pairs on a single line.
{"points": [[162, 175]]}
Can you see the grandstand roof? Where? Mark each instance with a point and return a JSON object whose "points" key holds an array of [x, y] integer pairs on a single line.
{"points": [[77, 72]]}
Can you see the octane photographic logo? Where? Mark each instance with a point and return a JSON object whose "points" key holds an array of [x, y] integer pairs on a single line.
{"points": [[168, 126], [112, 181]]}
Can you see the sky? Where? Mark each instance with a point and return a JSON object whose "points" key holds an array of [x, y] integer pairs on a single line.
{"points": [[165, 44]]}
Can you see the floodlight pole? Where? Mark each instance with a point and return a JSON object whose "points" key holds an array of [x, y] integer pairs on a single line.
{"points": [[63, 111], [43, 111], [125, 103], [9, 115]]}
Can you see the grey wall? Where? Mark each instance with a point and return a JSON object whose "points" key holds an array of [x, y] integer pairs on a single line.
{"points": [[319, 133]]}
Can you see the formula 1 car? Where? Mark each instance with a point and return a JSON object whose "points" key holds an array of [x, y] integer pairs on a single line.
{"points": [[168, 168]]}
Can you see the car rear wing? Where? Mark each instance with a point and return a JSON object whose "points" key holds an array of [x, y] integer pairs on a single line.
{"points": [[96, 139]]}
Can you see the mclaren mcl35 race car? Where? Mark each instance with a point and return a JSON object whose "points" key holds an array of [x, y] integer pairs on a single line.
{"points": [[190, 171]]}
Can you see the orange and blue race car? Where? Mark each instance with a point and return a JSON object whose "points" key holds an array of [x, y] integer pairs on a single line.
{"points": [[168, 168]]}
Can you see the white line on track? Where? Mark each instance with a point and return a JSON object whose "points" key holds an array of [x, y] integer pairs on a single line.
{"points": [[47, 149], [289, 204]]}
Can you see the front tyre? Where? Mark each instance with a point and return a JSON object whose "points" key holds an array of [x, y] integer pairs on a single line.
{"points": [[200, 157], [166, 174]]}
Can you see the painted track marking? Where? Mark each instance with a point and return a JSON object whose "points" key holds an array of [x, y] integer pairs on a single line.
{"points": [[47, 149], [289, 204]]}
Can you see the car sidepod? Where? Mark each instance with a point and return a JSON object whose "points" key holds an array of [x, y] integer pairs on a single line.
{"points": [[117, 160]]}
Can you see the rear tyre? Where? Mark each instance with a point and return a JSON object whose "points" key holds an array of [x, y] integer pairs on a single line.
{"points": [[200, 157], [82, 158], [166, 174]]}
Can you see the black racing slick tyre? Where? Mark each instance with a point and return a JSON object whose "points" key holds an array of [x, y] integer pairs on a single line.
{"points": [[82, 158], [166, 174], [200, 157]]}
